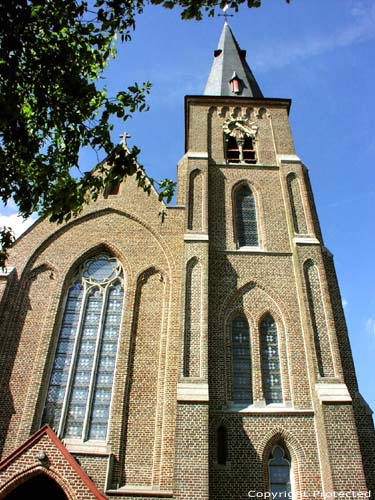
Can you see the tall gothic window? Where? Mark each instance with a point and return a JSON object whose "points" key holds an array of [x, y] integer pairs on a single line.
{"points": [[241, 362], [246, 221], [279, 474], [80, 389], [271, 376]]}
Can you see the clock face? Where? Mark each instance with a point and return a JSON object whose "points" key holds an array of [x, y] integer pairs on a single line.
{"points": [[234, 127]]}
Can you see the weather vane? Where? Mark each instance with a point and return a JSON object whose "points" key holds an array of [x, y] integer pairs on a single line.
{"points": [[224, 9]]}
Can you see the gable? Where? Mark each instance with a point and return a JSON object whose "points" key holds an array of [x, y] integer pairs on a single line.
{"points": [[45, 454]]}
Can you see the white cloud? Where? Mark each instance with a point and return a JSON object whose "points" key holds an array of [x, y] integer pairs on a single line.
{"points": [[344, 302], [370, 326], [357, 8], [360, 29], [17, 223]]}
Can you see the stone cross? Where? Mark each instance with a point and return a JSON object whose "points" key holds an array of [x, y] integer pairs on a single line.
{"points": [[123, 138]]}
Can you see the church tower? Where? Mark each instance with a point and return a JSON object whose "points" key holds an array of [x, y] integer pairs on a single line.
{"points": [[264, 325], [192, 352]]}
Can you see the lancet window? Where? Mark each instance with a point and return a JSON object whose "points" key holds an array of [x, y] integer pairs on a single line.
{"points": [[246, 219], [241, 361], [270, 360]]}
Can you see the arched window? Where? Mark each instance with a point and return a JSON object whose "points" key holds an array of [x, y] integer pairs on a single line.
{"points": [[270, 361], [246, 221], [80, 389], [279, 473], [241, 362], [222, 445]]}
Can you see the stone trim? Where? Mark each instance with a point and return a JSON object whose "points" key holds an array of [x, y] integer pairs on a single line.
{"points": [[333, 393], [87, 448], [146, 491], [309, 240], [267, 409], [247, 166], [192, 392], [197, 155], [195, 237], [289, 158], [255, 251]]}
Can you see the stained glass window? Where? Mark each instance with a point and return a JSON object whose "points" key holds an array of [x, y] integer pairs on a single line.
{"points": [[279, 471], [270, 361], [241, 362], [80, 389], [246, 221]]}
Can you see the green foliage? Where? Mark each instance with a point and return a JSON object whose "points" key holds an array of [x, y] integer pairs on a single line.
{"points": [[6, 240], [52, 56]]}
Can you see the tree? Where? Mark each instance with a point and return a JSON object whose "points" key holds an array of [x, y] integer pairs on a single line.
{"points": [[52, 56]]}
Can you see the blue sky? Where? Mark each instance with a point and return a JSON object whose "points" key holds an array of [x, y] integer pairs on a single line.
{"points": [[319, 53]]}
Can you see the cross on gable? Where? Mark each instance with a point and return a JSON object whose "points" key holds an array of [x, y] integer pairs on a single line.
{"points": [[123, 138]]}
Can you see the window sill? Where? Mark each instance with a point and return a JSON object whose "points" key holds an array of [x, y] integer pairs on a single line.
{"points": [[241, 163], [285, 408], [87, 447], [306, 240], [223, 467], [145, 491], [257, 166], [256, 251], [250, 249]]}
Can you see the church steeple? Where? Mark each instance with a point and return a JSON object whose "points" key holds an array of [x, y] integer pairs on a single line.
{"points": [[230, 74]]}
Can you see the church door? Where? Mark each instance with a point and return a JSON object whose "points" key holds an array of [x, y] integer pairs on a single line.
{"points": [[40, 487]]}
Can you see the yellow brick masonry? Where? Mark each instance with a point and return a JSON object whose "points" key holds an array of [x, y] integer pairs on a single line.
{"points": [[185, 280]]}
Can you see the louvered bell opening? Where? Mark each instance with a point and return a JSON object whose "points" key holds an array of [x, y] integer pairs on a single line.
{"points": [[249, 151], [233, 153]]}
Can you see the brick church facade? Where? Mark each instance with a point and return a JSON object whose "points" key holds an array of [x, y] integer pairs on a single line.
{"points": [[197, 351]]}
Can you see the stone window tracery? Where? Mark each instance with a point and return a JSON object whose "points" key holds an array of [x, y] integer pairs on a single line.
{"points": [[80, 388]]}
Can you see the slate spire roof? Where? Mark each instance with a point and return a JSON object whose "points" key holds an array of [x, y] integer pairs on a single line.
{"points": [[230, 64]]}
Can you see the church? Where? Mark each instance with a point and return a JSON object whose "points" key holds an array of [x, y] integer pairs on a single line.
{"points": [[196, 351]]}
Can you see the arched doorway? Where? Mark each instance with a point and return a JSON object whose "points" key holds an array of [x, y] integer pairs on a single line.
{"points": [[40, 486]]}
